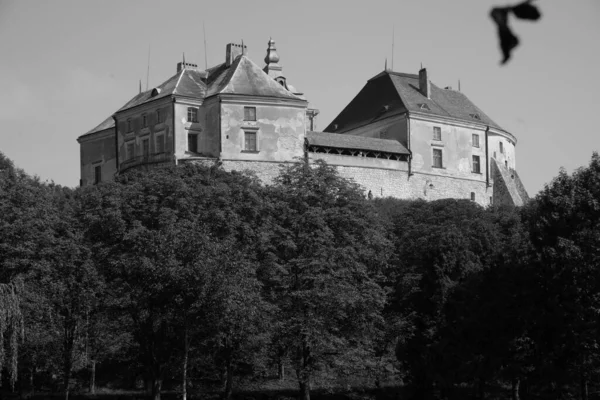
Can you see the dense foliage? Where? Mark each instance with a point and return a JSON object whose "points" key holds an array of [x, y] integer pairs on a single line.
{"points": [[195, 280]]}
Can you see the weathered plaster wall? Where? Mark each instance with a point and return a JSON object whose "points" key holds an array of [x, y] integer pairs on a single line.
{"points": [[208, 144], [151, 132], [280, 132], [390, 178], [98, 150], [507, 157], [457, 150]]}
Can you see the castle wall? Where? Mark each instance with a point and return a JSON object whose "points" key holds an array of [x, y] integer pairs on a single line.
{"points": [[279, 127], [456, 145], [208, 144], [390, 178], [382, 177], [98, 150], [154, 131], [507, 157]]}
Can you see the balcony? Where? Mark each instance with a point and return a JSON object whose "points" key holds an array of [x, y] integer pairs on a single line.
{"points": [[157, 158]]}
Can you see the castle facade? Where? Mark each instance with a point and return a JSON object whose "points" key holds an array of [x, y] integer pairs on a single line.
{"points": [[401, 136]]}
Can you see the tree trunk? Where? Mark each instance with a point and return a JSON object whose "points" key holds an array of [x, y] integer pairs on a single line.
{"points": [[31, 380], [583, 389], [67, 368], [229, 378], [516, 382], [185, 365], [481, 388], [305, 387], [156, 387], [93, 377], [304, 373], [280, 370]]}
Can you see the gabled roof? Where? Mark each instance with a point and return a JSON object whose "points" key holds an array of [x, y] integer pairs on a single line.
{"points": [[400, 92], [244, 77], [340, 141]]}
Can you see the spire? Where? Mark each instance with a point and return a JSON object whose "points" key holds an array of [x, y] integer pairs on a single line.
{"points": [[272, 56], [385, 68], [273, 69], [140, 86], [183, 65]]}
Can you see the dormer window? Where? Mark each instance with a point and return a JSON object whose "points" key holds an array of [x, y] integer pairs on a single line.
{"points": [[475, 116], [424, 107], [192, 114], [249, 113]]}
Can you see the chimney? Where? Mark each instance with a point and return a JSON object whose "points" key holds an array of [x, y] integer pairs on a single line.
{"points": [[424, 84], [186, 65], [232, 52]]}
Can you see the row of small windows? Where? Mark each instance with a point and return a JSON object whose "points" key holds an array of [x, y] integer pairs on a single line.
{"points": [[438, 161], [192, 116], [437, 135], [159, 120], [159, 147]]}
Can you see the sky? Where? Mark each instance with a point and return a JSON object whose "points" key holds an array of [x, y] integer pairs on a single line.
{"points": [[65, 66]]}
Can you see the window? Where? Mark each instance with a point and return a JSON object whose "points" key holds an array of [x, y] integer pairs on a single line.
{"points": [[249, 141], [501, 148], [472, 196], [146, 148], [130, 150], [129, 127], [144, 121], [476, 165], [437, 158], [97, 174], [192, 114], [160, 144], [158, 117], [437, 133], [475, 140], [193, 143], [249, 113]]}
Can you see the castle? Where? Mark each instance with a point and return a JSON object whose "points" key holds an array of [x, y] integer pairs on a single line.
{"points": [[401, 136]]}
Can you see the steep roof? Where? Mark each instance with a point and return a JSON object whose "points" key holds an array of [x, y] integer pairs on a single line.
{"points": [[339, 141], [187, 82], [241, 77], [400, 92], [245, 78], [106, 124]]}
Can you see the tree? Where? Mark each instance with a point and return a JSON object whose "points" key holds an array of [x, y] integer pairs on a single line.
{"points": [[438, 246], [324, 259], [163, 237], [564, 224]]}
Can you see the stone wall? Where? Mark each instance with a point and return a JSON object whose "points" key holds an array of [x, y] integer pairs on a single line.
{"points": [[384, 182]]}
